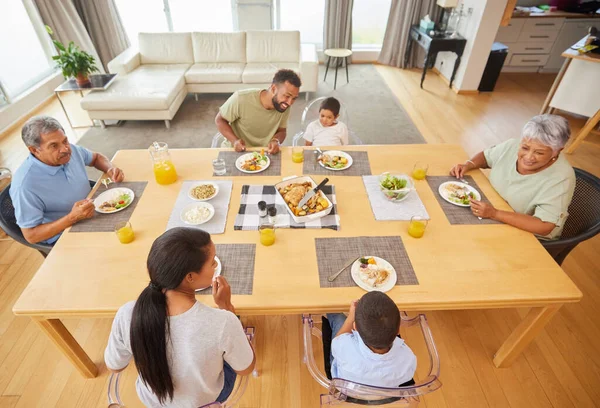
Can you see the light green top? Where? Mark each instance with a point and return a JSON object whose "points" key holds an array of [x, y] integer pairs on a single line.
{"points": [[545, 195], [249, 120]]}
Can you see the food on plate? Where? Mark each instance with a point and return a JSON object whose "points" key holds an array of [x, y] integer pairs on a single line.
{"points": [[203, 191], [257, 162], [459, 194], [197, 215], [371, 273], [293, 193], [121, 201], [334, 162]]}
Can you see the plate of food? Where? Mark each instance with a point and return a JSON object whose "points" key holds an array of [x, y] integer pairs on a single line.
{"points": [[458, 193], [293, 190], [253, 162], [374, 273], [335, 160], [203, 191], [197, 213], [114, 200], [395, 187], [218, 270]]}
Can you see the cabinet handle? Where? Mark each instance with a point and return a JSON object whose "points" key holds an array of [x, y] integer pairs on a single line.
{"points": [[535, 60], [539, 36], [545, 24], [534, 48]]}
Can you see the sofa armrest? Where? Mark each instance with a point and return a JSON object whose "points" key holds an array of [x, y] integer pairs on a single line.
{"points": [[125, 62], [309, 67]]}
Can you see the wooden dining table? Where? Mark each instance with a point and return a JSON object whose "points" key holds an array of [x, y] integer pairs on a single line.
{"points": [[485, 266]]}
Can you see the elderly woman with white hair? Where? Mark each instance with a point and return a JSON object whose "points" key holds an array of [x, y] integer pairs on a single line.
{"points": [[531, 175]]}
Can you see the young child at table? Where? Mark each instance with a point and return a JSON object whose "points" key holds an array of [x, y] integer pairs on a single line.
{"points": [[366, 347], [327, 131], [187, 354]]}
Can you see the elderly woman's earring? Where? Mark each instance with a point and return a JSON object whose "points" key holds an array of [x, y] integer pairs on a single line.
{"points": [[554, 159]]}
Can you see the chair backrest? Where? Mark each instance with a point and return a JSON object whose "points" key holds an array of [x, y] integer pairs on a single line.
{"points": [[584, 211]]}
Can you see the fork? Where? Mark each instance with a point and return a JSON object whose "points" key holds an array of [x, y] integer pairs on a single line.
{"points": [[462, 180], [335, 275], [106, 182]]}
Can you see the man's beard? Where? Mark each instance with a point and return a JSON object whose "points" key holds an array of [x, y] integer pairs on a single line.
{"points": [[277, 105]]}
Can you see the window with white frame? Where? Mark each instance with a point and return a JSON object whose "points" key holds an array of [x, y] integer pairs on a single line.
{"points": [[306, 16], [369, 20]]}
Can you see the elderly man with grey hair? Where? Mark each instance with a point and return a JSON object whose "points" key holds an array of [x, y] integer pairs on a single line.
{"points": [[531, 175], [49, 190]]}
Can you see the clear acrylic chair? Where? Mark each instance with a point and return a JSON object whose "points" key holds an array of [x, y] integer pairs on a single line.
{"points": [[311, 113], [241, 383], [219, 141], [347, 393]]}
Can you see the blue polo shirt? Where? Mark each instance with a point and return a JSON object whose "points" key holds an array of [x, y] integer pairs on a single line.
{"points": [[41, 193]]}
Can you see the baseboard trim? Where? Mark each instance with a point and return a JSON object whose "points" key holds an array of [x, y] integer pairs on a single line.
{"points": [[455, 89], [23, 118]]}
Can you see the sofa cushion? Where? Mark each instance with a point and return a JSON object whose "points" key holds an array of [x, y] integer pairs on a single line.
{"points": [[215, 73], [262, 73], [149, 87], [273, 46], [166, 48], [219, 47]]}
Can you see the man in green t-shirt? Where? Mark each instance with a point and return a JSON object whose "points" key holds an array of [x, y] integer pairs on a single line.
{"points": [[258, 117]]}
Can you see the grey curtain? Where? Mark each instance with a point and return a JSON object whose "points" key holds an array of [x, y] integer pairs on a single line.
{"points": [[404, 14], [64, 20], [103, 23], [337, 27]]}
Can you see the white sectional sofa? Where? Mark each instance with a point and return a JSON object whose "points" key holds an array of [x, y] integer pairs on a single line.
{"points": [[153, 80]]}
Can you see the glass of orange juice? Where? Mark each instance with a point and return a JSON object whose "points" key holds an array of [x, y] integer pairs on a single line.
{"points": [[164, 170], [416, 227], [124, 232], [297, 154], [420, 171], [267, 234]]}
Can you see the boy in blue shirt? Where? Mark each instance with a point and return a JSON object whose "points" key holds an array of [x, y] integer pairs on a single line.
{"points": [[366, 347]]}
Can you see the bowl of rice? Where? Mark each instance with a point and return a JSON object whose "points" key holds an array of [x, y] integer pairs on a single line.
{"points": [[197, 213]]}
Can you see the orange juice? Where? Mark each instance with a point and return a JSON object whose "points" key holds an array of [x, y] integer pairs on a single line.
{"points": [[164, 172], [267, 236], [416, 228], [298, 157], [419, 174], [125, 234]]}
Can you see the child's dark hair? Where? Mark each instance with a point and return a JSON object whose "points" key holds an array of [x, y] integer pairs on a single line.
{"points": [[377, 320], [331, 104], [287, 75]]}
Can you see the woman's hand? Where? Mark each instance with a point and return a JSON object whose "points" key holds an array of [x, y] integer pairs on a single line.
{"points": [[459, 170], [483, 210], [222, 293]]}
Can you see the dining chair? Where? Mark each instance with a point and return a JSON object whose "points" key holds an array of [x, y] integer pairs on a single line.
{"points": [[114, 398], [218, 140], [348, 393], [584, 217], [311, 113]]}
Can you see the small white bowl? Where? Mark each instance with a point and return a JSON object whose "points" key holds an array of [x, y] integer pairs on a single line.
{"points": [[189, 207], [216, 186]]}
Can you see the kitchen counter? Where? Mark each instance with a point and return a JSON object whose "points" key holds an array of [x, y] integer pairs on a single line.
{"points": [[562, 14]]}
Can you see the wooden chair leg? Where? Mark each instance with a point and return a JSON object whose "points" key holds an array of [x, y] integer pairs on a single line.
{"points": [[589, 126]]}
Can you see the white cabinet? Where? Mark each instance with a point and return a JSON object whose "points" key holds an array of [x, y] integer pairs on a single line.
{"points": [[571, 31]]}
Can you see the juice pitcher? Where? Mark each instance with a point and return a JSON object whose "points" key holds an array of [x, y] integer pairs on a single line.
{"points": [[164, 170]]}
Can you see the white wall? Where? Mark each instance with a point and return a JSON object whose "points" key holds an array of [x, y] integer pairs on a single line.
{"points": [[479, 29]]}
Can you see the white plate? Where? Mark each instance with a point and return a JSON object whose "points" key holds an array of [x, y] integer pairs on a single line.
{"points": [[444, 193], [386, 286], [112, 194], [337, 153], [216, 186], [217, 272], [240, 160], [211, 210]]}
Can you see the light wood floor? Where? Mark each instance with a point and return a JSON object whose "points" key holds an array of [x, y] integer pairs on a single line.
{"points": [[560, 369]]}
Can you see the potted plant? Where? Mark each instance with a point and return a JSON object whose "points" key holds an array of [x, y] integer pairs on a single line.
{"points": [[73, 62]]}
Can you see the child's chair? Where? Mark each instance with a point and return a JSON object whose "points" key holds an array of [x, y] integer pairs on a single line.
{"points": [[114, 399], [311, 113], [342, 392]]}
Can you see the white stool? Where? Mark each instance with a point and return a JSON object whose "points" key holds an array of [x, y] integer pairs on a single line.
{"points": [[340, 54]]}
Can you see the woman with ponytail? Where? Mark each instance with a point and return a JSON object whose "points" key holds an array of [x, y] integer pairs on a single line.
{"points": [[187, 354]]}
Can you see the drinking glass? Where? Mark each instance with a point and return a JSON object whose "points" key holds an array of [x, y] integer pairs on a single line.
{"points": [[297, 154], [420, 171], [267, 234], [219, 167], [416, 227], [124, 232]]}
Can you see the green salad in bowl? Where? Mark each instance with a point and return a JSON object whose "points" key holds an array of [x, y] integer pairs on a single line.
{"points": [[395, 187]]}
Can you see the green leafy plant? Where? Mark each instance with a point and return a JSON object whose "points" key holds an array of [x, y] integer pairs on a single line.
{"points": [[72, 61]]}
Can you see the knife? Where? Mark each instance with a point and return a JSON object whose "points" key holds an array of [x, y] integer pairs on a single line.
{"points": [[312, 193]]}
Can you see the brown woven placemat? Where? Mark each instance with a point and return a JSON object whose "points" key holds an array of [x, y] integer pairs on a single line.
{"points": [[360, 165], [274, 168], [454, 213], [237, 263], [106, 222], [334, 253]]}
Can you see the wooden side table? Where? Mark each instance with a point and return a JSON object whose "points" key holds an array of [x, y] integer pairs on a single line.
{"points": [[340, 55]]}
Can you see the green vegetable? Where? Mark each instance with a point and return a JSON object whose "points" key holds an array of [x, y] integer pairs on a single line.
{"points": [[393, 183], [364, 261]]}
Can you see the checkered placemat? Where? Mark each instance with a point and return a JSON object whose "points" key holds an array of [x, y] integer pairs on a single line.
{"points": [[386, 210], [221, 204], [360, 165], [455, 213], [106, 222], [274, 168], [237, 266], [335, 253], [248, 218]]}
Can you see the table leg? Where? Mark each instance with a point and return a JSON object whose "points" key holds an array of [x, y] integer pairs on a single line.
{"points": [[63, 108], [456, 65], [347, 77], [407, 53], [337, 65], [327, 69], [523, 334], [552, 91], [425, 65], [61, 337], [589, 126]]}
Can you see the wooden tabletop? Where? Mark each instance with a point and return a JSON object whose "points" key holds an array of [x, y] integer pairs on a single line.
{"points": [[458, 266]]}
